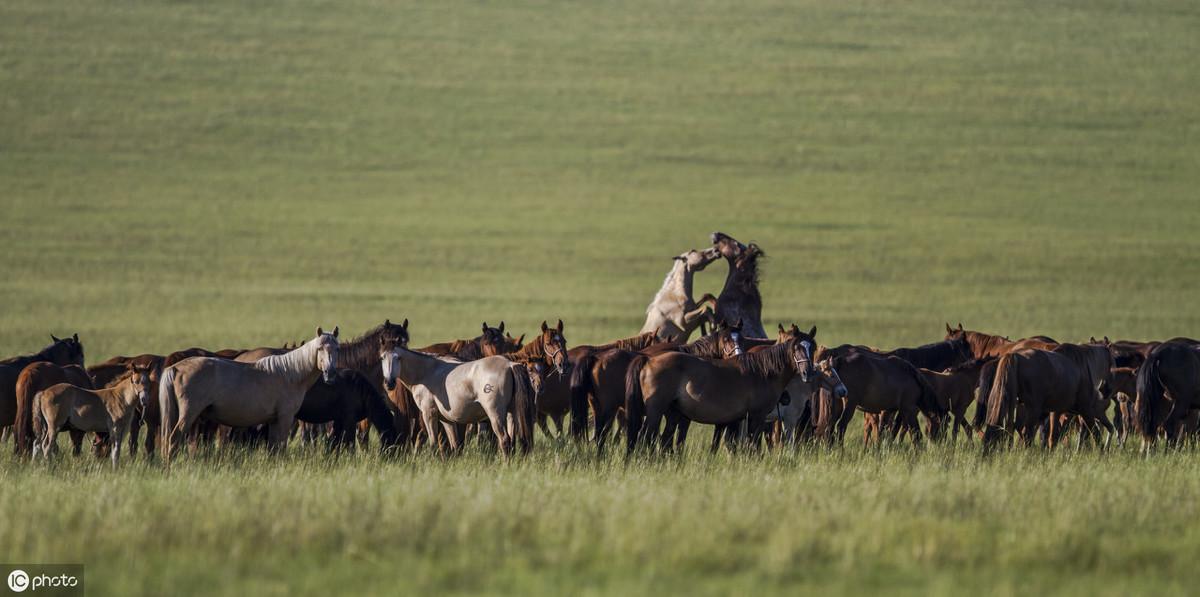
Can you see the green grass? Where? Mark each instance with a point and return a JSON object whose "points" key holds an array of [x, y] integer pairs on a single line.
{"points": [[231, 174]]}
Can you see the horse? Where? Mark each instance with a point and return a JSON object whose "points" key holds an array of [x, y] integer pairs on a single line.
{"points": [[711, 391], [270, 390], [109, 372], [1124, 391], [740, 303], [62, 351], [350, 399], [955, 390], [362, 354], [673, 315], [1029, 385], [598, 379], [453, 392], [33, 379], [492, 341], [111, 411], [1168, 389], [989, 346], [877, 384], [550, 348]]}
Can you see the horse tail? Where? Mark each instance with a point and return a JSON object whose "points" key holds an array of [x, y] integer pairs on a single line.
{"points": [[1004, 389], [1149, 396], [24, 421], [168, 408], [982, 389], [581, 388], [523, 409], [635, 405]]}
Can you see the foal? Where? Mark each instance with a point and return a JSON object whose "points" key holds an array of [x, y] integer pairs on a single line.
{"points": [[111, 410]]}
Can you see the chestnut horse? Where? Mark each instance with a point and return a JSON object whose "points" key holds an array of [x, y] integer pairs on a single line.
{"points": [[989, 346], [33, 379], [877, 384], [711, 391]]}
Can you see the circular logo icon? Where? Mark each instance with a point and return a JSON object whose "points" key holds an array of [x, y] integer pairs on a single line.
{"points": [[18, 581]]}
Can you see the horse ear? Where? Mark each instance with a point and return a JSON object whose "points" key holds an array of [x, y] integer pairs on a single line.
{"points": [[335, 331], [1092, 340], [1107, 341], [405, 325], [485, 327], [501, 328], [521, 340], [960, 326], [781, 328], [560, 326], [320, 332], [54, 338], [544, 326], [813, 332], [75, 336], [948, 328], [387, 323]]}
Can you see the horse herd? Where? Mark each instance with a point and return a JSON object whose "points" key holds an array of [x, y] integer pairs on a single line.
{"points": [[652, 386]]}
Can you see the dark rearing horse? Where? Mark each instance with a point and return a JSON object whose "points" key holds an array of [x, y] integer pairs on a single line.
{"points": [[740, 303]]}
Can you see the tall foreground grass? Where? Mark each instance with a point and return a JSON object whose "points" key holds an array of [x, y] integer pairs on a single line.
{"points": [[562, 521]]}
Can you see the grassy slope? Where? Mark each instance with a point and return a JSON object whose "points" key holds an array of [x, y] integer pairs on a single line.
{"points": [[233, 174]]}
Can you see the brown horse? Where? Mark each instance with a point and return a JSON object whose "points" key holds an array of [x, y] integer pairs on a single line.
{"points": [[955, 389], [598, 379], [64, 351], [550, 348], [740, 303], [1029, 385], [557, 388], [989, 346], [111, 411], [711, 391], [33, 379], [878, 384], [1168, 389]]}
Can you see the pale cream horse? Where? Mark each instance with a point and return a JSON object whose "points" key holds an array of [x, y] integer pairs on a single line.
{"points": [[110, 410], [450, 392], [673, 315], [268, 391]]}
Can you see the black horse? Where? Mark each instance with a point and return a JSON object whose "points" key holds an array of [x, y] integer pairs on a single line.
{"points": [[350, 399]]}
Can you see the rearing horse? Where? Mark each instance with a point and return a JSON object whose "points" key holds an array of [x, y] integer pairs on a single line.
{"points": [[740, 304], [673, 315]]}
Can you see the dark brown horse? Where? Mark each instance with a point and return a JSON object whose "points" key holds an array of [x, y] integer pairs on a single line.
{"points": [[350, 399], [33, 379], [878, 384], [362, 355], [740, 303], [710, 391], [955, 389], [1031, 384], [62, 351], [598, 379], [1168, 389], [937, 356]]}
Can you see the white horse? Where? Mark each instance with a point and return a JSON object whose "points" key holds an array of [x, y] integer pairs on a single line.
{"points": [[452, 392], [673, 315], [270, 390]]}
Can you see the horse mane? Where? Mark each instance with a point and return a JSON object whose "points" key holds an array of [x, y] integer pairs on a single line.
{"points": [[532, 351], [638, 342], [765, 363], [294, 364], [361, 351], [25, 359], [706, 346]]}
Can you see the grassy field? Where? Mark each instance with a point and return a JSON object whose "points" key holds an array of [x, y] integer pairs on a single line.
{"points": [[232, 174]]}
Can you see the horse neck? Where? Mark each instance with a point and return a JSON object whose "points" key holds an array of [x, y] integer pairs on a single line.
{"points": [[360, 354], [678, 283], [533, 351], [118, 398], [415, 367], [298, 367]]}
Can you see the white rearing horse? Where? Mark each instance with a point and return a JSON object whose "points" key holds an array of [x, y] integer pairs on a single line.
{"points": [[673, 315], [448, 391]]}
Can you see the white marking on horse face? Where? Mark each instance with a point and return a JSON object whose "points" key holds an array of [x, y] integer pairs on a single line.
{"points": [[390, 360], [737, 343]]}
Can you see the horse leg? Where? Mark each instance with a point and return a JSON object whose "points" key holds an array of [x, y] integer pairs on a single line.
{"points": [[910, 421], [500, 428], [541, 423], [452, 436], [278, 433], [430, 420], [76, 442]]}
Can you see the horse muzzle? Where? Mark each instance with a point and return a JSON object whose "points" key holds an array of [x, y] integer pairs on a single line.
{"points": [[840, 391], [389, 385]]}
